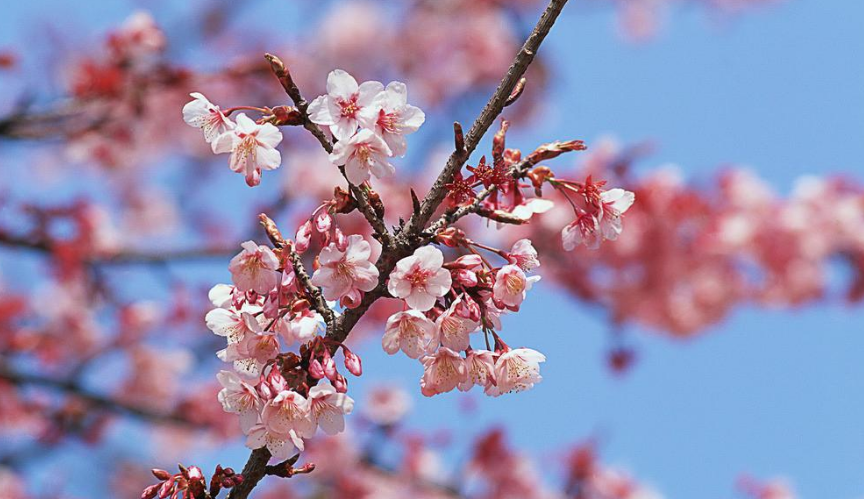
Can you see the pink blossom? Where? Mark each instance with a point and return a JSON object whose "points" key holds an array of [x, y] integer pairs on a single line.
{"points": [[252, 147], [281, 445], [516, 370], [584, 230], [419, 278], [328, 408], [364, 154], [524, 255], [340, 108], [255, 269], [443, 371], [481, 370], [412, 332], [391, 117], [234, 326], [251, 353], [289, 411], [387, 405], [454, 330], [240, 398], [511, 285], [614, 203], [344, 271], [203, 114]]}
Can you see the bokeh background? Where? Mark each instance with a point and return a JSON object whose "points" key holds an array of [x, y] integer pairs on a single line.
{"points": [[768, 392]]}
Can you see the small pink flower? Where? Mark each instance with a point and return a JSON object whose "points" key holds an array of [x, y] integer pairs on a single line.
{"points": [[340, 108], [232, 325], [391, 117], [511, 286], [342, 272], [410, 331], [328, 408], [364, 154], [252, 147], [289, 411], [517, 370], [614, 203], [281, 445], [454, 330], [524, 255], [239, 397], [203, 114], [481, 370], [255, 269], [443, 371], [419, 278], [585, 229], [387, 405]]}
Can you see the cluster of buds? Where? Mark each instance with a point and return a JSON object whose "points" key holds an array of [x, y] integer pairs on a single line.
{"points": [[190, 483]]}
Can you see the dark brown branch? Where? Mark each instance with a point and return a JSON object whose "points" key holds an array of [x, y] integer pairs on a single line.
{"points": [[487, 116], [284, 77]]}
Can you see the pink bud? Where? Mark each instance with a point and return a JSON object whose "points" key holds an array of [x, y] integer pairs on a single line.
{"points": [[341, 240], [340, 384], [276, 381], [329, 366], [166, 488], [352, 362], [468, 308], [466, 278], [467, 261], [323, 222], [303, 237], [150, 492], [316, 370], [195, 473], [160, 474]]}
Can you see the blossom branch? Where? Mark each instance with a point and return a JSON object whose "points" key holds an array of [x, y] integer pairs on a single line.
{"points": [[363, 204], [490, 112]]}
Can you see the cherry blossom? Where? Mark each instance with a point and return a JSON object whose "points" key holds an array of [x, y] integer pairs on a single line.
{"points": [[328, 408], [419, 278], [516, 370], [345, 100], [412, 332], [281, 445], [347, 270], [614, 203], [512, 285], [391, 117], [203, 114], [289, 411], [364, 154], [442, 372], [524, 255], [255, 269], [481, 370], [252, 147], [584, 230], [454, 330], [239, 397]]}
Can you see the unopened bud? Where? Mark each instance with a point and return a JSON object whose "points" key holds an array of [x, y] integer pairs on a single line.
{"points": [[352, 362]]}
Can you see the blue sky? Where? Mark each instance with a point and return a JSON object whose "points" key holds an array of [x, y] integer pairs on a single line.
{"points": [[768, 392]]}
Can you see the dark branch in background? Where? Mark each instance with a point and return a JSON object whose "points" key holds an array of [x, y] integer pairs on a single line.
{"points": [[98, 401], [411, 237]]}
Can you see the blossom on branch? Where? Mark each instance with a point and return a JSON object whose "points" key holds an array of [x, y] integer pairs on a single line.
{"points": [[252, 147], [419, 278], [364, 154], [345, 100]]}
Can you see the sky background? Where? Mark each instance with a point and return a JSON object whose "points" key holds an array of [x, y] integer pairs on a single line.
{"points": [[767, 392]]}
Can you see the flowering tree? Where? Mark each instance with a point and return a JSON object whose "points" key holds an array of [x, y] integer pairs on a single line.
{"points": [[427, 272]]}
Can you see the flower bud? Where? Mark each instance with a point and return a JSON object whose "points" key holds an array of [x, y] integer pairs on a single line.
{"points": [[316, 370], [329, 366], [303, 237], [352, 362], [340, 383]]}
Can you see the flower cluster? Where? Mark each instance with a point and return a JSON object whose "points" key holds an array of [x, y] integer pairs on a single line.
{"points": [[447, 303], [276, 395], [190, 483], [383, 116]]}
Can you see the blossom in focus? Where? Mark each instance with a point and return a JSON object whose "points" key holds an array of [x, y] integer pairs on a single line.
{"points": [[454, 330], [419, 278], [364, 154], [412, 332], [524, 255], [443, 371], [584, 230], [252, 147], [391, 117], [481, 370], [203, 114], [344, 271], [328, 408], [281, 445], [340, 108], [255, 269], [240, 398], [511, 285], [289, 411], [516, 370], [614, 203]]}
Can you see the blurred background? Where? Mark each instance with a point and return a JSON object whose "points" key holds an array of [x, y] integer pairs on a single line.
{"points": [[714, 351]]}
